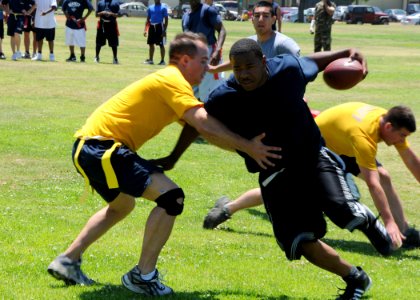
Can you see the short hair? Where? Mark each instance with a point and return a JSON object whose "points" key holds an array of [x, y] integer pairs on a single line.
{"points": [[264, 4], [244, 46], [401, 117], [185, 43]]}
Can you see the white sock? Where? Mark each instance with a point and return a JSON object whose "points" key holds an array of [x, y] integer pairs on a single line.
{"points": [[148, 276]]}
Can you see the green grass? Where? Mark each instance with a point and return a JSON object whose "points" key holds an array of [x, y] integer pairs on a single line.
{"points": [[43, 103]]}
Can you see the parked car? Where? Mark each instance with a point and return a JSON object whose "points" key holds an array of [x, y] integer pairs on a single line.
{"points": [[360, 14], [221, 9], [179, 10], [168, 8], [412, 8], [395, 14], [340, 13], [133, 9], [413, 19], [309, 14], [286, 9], [291, 16], [231, 9]]}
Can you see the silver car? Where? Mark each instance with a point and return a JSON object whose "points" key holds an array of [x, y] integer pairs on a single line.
{"points": [[133, 9]]}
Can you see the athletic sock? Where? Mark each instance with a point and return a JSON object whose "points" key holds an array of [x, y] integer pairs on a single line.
{"points": [[148, 276]]}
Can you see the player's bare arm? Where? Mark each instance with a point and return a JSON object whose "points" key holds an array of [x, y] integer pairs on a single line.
{"points": [[371, 178], [412, 162], [322, 59]]}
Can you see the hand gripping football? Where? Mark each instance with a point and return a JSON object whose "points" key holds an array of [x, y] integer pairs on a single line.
{"points": [[343, 73]]}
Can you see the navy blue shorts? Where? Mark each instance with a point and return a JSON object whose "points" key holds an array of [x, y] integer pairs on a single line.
{"points": [[352, 166], [14, 24], [123, 172]]}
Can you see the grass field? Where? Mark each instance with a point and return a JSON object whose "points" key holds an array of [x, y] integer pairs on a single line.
{"points": [[43, 103]]}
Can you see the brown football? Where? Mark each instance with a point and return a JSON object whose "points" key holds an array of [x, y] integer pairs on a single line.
{"points": [[343, 73]]}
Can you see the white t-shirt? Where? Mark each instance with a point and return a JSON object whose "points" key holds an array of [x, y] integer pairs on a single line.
{"points": [[47, 21]]}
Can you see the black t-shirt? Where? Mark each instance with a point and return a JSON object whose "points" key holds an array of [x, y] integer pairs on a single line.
{"points": [[276, 108]]}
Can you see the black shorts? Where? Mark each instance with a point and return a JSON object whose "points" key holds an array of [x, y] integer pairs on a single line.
{"points": [[352, 166], [296, 200], [154, 36], [1, 29], [28, 24], [45, 33], [14, 24], [107, 31], [114, 171]]}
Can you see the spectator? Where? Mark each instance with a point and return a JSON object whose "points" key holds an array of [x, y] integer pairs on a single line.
{"points": [[155, 30], [272, 42], [205, 19], [2, 56], [107, 29], [28, 27], [277, 14], [15, 10], [45, 24], [323, 16], [76, 26]]}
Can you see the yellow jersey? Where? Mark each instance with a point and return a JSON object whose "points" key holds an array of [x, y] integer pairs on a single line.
{"points": [[140, 111], [352, 129]]}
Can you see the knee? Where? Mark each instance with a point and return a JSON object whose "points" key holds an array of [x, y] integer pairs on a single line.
{"points": [[172, 201], [384, 175], [122, 206]]}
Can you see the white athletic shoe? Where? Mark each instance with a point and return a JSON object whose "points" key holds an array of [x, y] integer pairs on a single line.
{"points": [[37, 56]]}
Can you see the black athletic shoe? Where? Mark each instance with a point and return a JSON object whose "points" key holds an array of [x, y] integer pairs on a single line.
{"points": [[412, 238], [357, 285], [153, 287], [218, 214], [71, 59], [82, 58], [376, 233]]}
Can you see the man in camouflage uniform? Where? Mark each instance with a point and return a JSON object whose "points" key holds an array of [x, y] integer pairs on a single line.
{"points": [[324, 11]]}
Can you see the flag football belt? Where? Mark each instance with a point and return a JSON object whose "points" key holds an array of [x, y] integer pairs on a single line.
{"points": [[110, 176]]}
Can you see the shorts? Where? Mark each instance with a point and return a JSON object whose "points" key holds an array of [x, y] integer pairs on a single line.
{"points": [[296, 200], [14, 24], [107, 31], [45, 33], [352, 166], [124, 171], [154, 36], [76, 37], [209, 83], [28, 24]]}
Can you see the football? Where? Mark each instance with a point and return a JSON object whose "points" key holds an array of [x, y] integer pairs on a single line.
{"points": [[343, 74]]}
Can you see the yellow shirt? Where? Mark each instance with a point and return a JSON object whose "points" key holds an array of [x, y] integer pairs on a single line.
{"points": [[352, 129], [140, 111]]}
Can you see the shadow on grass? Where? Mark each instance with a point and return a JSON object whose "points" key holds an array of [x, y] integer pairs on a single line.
{"points": [[116, 292], [367, 249]]}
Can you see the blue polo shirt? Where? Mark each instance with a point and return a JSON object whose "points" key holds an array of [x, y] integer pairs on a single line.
{"points": [[156, 13]]}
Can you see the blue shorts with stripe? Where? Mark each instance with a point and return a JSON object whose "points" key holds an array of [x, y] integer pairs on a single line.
{"points": [[112, 168]]}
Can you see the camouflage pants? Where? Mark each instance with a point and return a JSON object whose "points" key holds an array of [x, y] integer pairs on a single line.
{"points": [[322, 39]]}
